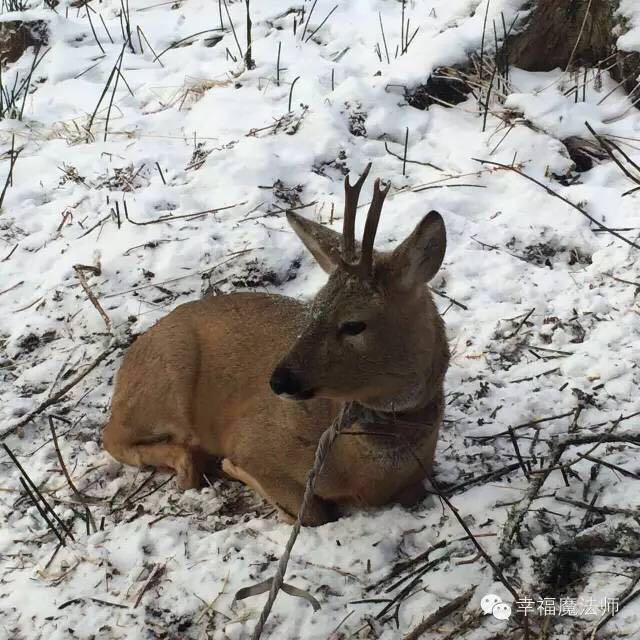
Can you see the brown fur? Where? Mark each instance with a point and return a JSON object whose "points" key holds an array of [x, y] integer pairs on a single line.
{"points": [[197, 383]]}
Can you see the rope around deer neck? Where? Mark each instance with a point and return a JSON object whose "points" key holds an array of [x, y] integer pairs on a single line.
{"points": [[322, 451]]}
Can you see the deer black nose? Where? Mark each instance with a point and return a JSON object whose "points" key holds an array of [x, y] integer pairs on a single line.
{"points": [[284, 381]]}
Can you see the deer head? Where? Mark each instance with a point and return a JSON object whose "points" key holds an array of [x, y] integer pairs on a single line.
{"points": [[373, 334]]}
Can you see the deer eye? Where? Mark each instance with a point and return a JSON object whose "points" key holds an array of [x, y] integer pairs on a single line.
{"points": [[352, 328]]}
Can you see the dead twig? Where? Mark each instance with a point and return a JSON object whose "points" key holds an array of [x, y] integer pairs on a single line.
{"points": [[15, 246], [189, 216], [525, 425], [634, 513], [56, 397], [398, 568], [609, 147], [173, 45], [551, 192], [63, 466], [624, 598], [614, 467], [496, 474], [516, 448], [154, 577], [488, 559], [12, 287], [405, 160], [80, 269], [439, 615], [414, 579], [515, 332], [78, 495], [520, 509], [446, 297]]}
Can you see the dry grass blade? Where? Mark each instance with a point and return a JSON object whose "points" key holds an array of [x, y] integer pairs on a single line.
{"points": [[42, 512], [104, 91], [33, 491], [8, 181], [118, 69], [293, 84], [173, 45], [384, 39], [313, 33], [95, 35], [248, 59], [263, 587], [233, 29], [609, 147], [141, 34], [306, 25]]}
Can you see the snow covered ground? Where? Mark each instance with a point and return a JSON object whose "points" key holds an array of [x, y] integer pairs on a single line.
{"points": [[545, 320]]}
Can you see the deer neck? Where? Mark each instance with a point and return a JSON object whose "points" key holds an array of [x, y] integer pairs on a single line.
{"points": [[391, 438], [417, 418]]}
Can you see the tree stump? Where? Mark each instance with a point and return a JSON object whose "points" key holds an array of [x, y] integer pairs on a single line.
{"points": [[564, 33], [16, 36]]}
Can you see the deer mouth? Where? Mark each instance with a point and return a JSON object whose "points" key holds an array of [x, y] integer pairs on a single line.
{"points": [[300, 395]]}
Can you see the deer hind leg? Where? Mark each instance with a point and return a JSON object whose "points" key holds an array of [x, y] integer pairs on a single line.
{"points": [[186, 461], [285, 495]]}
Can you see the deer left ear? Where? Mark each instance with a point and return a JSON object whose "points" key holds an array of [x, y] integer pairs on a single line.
{"points": [[417, 260], [323, 243]]}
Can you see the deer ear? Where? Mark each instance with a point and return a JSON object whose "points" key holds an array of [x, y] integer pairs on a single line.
{"points": [[417, 259], [323, 243]]}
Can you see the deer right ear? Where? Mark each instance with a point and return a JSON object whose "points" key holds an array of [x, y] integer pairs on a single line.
{"points": [[323, 243], [419, 257]]}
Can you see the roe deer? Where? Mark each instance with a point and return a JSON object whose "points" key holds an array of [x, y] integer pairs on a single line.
{"points": [[254, 379]]}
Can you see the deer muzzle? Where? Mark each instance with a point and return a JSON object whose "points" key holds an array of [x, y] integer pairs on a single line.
{"points": [[287, 383]]}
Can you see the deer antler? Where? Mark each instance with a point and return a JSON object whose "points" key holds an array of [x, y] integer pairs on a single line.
{"points": [[363, 268], [371, 226], [351, 195]]}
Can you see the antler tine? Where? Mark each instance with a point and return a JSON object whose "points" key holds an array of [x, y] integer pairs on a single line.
{"points": [[371, 227], [351, 195]]}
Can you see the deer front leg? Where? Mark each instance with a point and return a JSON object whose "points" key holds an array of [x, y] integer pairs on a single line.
{"points": [[285, 495]]}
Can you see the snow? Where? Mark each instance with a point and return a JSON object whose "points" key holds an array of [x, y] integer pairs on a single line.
{"points": [[201, 133]]}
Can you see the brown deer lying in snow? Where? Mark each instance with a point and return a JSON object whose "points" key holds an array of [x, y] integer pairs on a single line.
{"points": [[254, 378]]}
